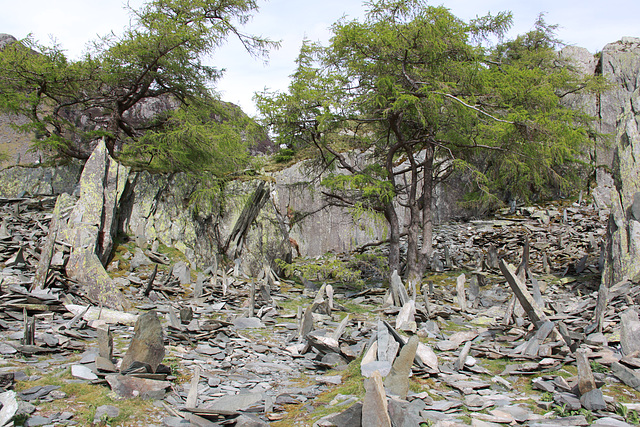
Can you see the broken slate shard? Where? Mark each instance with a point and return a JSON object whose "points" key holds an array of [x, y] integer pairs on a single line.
{"points": [[374, 407], [147, 345]]}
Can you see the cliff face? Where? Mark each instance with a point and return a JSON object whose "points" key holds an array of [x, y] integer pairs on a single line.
{"points": [[620, 116], [618, 178]]}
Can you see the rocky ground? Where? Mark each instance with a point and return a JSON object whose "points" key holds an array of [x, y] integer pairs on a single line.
{"points": [[215, 347]]}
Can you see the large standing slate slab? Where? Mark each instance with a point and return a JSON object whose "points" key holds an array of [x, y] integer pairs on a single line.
{"points": [[92, 224], [374, 407], [398, 379], [147, 345]]}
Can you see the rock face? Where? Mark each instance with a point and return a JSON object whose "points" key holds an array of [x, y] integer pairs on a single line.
{"points": [[16, 181], [190, 215], [617, 111], [620, 110]]}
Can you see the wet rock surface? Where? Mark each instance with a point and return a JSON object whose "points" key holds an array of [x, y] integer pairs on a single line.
{"points": [[267, 350]]}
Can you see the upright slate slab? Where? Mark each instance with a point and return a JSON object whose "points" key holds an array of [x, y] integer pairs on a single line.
{"points": [[147, 344]]}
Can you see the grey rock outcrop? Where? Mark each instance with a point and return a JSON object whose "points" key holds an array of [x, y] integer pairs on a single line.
{"points": [[618, 111], [6, 39], [17, 181], [197, 218], [620, 116], [92, 224]]}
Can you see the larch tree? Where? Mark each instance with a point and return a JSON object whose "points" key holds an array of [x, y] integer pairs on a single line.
{"points": [[159, 57], [397, 103]]}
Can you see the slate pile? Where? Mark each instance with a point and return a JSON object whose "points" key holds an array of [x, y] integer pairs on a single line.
{"points": [[257, 350]]}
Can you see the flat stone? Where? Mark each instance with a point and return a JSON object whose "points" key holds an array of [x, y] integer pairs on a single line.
{"points": [[405, 321], [444, 405], [139, 259], [610, 422], [402, 414], [147, 344], [575, 421], [247, 420], [37, 420], [105, 365], [427, 356], [37, 392], [333, 359], [383, 367], [350, 417], [572, 402], [128, 386], [330, 379], [626, 375], [247, 323], [8, 406], [234, 402], [175, 422], [324, 344], [545, 386], [517, 412], [455, 340], [7, 349], [182, 272], [374, 406], [82, 372], [105, 412]]}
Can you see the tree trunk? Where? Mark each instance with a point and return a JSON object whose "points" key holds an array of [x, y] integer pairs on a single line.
{"points": [[426, 252], [394, 237], [414, 270], [420, 222]]}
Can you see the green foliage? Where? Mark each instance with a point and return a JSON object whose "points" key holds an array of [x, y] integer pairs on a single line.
{"points": [[547, 397], [562, 411], [203, 138], [629, 416], [420, 94], [598, 367], [159, 59], [284, 155], [326, 268]]}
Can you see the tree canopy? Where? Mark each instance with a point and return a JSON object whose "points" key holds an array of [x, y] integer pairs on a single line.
{"points": [[399, 102], [158, 58]]}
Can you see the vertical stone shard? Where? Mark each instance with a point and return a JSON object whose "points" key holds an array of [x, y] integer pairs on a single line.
{"points": [[92, 225]]}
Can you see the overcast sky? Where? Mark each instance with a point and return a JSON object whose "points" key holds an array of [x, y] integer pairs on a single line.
{"points": [[587, 23]]}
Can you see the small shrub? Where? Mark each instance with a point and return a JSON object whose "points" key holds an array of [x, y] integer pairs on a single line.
{"points": [[284, 155]]}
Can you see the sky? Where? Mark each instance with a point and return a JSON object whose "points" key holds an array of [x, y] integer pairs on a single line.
{"points": [[73, 23]]}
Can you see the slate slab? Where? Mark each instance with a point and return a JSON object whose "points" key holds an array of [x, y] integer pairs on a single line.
{"points": [[233, 403], [397, 382], [147, 344], [374, 407], [129, 387]]}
